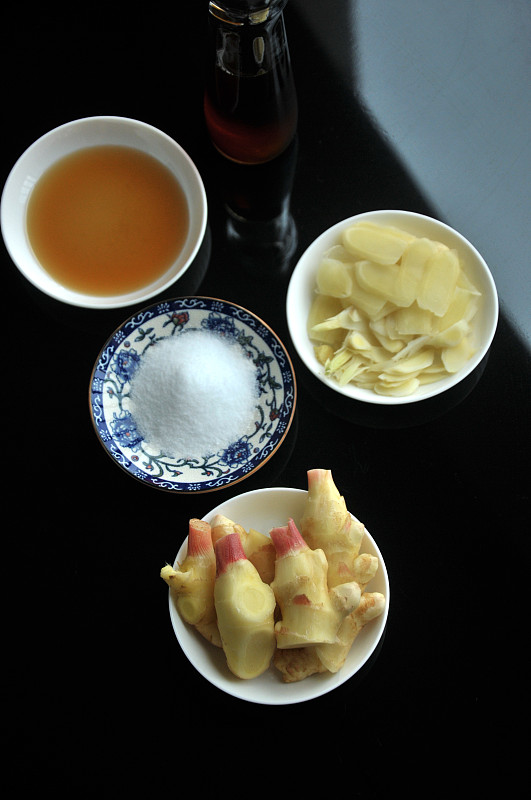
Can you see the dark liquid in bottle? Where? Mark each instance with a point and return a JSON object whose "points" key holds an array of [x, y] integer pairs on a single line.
{"points": [[251, 108]]}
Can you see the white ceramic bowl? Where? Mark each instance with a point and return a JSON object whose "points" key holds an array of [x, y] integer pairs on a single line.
{"points": [[302, 288], [89, 132], [263, 509]]}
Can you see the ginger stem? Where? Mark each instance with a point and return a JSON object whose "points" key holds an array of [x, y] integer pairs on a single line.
{"points": [[287, 539], [199, 538], [229, 549]]}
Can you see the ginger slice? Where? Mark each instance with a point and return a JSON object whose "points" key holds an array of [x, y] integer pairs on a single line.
{"points": [[382, 244], [438, 282], [333, 278]]}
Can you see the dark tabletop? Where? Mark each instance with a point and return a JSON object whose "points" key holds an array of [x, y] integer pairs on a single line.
{"points": [[97, 675]]}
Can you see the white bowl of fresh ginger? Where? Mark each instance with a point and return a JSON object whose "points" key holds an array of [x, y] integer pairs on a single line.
{"points": [[391, 307], [263, 510]]}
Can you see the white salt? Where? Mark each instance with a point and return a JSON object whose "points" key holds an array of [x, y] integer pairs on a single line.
{"points": [[194, 394]]}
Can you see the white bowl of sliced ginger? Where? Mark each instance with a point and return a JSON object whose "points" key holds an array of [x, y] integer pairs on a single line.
{"points": [[290, 605], [391, 307]]}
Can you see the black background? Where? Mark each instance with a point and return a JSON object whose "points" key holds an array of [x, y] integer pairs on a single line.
{"points": [[100, 686]]}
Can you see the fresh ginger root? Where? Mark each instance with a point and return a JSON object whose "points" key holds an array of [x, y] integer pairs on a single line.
{"points": [[311, 612], [258, 547], [364, 569], [296, 665], [221, 526], [192, 585], [245, 607], [333, 656], [327, 524], [317, 588]]}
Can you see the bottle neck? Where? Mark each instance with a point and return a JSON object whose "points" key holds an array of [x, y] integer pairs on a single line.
{"points": [[246, 12]]}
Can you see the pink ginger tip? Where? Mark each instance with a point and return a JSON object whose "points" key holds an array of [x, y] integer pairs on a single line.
{"points": [[316, 477], [287, 539], [199, 538], [228, 550]]}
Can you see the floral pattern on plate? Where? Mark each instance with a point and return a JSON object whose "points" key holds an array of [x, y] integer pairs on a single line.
{"points": [[121, 356]]}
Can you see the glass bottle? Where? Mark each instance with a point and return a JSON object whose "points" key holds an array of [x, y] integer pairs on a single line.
{"points": [[250, 99]]}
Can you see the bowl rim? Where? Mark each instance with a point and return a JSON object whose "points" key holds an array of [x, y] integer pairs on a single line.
{"points": [[38, 276], [299, 282], [96, 389], [254, 690]]}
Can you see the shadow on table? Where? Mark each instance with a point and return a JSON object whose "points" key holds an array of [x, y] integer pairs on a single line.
{"points": [[373, 415], [105, 321]]}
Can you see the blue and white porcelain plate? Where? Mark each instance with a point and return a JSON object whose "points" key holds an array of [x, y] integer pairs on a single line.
{"points": [[121, 356]]}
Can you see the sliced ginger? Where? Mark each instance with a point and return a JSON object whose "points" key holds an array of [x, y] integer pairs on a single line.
{"points": [[383, 245], [378, 291]]}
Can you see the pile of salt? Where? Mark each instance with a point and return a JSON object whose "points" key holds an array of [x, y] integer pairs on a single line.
{"points": [[194, 395]]}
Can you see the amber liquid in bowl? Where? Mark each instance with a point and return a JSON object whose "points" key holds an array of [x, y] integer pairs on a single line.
{"points": [[107, 220]]}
